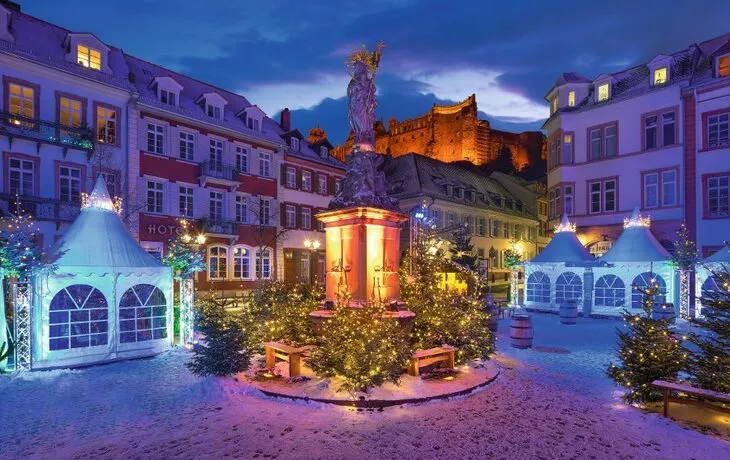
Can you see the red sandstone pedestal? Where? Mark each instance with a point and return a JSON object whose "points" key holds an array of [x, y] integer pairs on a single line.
{"points": [[362, 255]]}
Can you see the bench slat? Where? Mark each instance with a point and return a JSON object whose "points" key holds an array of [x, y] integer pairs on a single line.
{"points": [[281, 347], [433, 351], [724, 397]]}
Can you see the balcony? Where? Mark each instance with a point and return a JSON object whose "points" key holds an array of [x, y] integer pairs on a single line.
{"points": [[219, 173], [219, 227], [42, 209], [46, 132]]}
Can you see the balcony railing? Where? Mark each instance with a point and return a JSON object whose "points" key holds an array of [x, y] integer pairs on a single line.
{"points": [[219, 170], [40, 208], [46, 131], [220, 227]]}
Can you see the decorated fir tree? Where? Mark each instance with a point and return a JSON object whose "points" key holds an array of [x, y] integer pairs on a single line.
{"points": [[648, 351], [684, 257], [362, 347], [444, 317], [276, 311], [709, 356], [185, 254], [224, 350], [462, 251], [20, 255]]}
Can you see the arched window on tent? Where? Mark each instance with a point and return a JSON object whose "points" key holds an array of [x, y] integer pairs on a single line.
{"points": [[78, 318], [610, 291], [568, 286], [538, 288], [241, 263], [712, 289], [640, 284], [217, 262], [142, 314]]}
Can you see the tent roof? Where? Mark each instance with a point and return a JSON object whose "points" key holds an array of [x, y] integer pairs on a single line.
{"points": [[97, 238], [637, 243], [721, 256], [563, 247]]}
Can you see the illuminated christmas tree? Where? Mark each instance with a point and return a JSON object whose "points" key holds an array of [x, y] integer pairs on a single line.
{"points": [[224, 350], [684, 258], [648, 351], [709, 359], [444, 317], [362, 347]]}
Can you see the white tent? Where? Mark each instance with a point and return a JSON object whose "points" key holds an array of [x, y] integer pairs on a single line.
{"points": [[556, 274], [636, 258], [717, 262], [108, 299]]}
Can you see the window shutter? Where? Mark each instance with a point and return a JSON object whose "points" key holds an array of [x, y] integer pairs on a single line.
{"points": [[201, 205], [298, 210], [299, 178], [141, 194], [282, 215], [315, 182], [170, 198], [172, 149], [283, 174], [331, 185]]}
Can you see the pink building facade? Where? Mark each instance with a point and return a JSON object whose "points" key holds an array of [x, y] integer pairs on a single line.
{"points": [[653, 137]]}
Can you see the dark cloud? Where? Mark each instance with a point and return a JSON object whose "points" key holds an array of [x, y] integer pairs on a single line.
{"points": [[242, 45]]}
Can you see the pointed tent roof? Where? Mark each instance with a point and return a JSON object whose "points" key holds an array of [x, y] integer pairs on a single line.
{"points": [[722, 256], [98, 238], [637, 243], [564, 246]]}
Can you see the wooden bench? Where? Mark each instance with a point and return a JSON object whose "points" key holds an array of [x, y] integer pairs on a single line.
{"points": [[706, 395], [432, 355], [291, 355]]}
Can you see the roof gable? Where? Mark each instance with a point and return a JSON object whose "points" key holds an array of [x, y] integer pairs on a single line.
{"points": [[166, 82], [213, 98], [85, 37]]}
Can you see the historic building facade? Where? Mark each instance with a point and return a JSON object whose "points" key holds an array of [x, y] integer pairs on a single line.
{"points": [[653, 137], [452, 133], [309, 178], [63, 119], [499, 210]]}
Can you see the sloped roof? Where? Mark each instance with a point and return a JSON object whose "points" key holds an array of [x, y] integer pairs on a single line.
{"points": [[415, 175], [637, 243], [564, 247], [98, 239], [720, 257], [43, 42]]}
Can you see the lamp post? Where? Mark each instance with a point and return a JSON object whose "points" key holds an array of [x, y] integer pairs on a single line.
{"points": [[313, 246]]}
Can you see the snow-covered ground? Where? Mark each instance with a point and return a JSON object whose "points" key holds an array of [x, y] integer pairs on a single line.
{"points": [[545, 404]]}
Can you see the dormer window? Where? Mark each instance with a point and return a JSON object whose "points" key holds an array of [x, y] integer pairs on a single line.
{"points": [[168, 97], [294, 142], [254, 124], [4, 23], [571, 99], [88, 57], [660, 75], [213, 111], [252, 117], [459, 192], [603, 92], [723, 66], [324, 151]]}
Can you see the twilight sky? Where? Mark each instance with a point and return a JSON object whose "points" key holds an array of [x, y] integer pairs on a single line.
{"points": [[291, 53]]}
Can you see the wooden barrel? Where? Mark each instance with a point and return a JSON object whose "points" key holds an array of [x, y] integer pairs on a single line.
{"points": [[520, 331], [663, 311], [493, 322], [568, 312]]}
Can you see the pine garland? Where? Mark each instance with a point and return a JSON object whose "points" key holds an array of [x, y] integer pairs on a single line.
{"points": [[709, 358], [648, 351]]}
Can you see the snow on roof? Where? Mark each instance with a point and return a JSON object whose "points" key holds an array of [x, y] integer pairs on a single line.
{"points": [[98, 238], [637, 243], [722, 256], [563, 247]]}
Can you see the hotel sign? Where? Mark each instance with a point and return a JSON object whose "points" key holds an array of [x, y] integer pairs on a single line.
{"points": [[164, 230], [599, 248]]}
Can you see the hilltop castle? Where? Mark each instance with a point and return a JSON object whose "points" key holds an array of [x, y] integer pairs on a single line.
{"points": [[452, 133]]}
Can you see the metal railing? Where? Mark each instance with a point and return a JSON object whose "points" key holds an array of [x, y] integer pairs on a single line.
{"points": [[46, 131], [221, 227], [40, 208], [219, 170]]}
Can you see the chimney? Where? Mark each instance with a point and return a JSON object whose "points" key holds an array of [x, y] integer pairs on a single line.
{"points": [[285, 122]]}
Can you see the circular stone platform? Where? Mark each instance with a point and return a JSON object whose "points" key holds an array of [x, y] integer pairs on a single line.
{"points": [[411, 389]]}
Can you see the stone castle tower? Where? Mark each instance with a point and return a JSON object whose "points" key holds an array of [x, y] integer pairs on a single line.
{"points": [[451, 133]]}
